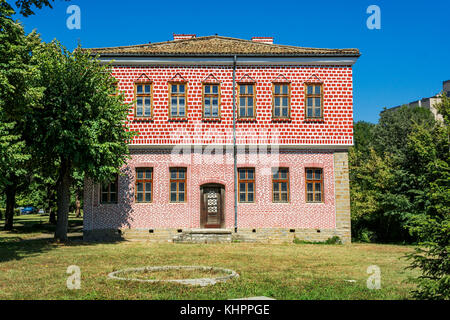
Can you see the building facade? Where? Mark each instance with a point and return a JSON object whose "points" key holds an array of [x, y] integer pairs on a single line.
{"points": [[238, 135]]}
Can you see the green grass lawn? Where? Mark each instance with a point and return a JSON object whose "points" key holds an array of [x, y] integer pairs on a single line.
{"points": [[34, 268]]}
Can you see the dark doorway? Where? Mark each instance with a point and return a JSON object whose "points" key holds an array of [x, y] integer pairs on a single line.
{"points": [[212, 205]]}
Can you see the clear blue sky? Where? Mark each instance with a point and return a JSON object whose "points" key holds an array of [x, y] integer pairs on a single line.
{"points": [[407, 59]]}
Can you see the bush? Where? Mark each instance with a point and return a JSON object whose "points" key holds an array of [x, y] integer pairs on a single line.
{"points": [[333, 240]]}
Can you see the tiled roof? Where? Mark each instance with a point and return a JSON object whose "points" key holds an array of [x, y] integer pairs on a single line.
{"points": [[218, 46]]}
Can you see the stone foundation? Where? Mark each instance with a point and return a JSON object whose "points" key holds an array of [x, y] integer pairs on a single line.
{"points": [[263, 235]]}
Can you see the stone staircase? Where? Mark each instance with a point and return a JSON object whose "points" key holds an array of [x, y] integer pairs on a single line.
{"points": [[204, 236]]}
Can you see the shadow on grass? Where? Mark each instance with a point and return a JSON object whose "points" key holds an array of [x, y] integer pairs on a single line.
{"points": [[16, 248], [40, 224]]}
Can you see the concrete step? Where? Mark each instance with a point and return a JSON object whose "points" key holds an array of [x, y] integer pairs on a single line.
{"points": [[203, 236]]}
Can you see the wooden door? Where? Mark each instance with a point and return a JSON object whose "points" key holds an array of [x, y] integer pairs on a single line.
{"points": [[211, 207]]}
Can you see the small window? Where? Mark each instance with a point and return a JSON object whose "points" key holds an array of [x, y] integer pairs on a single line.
{"points": [[281, 100], [247, 101], [314, 185], [144, 184], [109, 191], [314, 101], [280, 185], [246, 180], [177, 100], [211, 101], [143, 91], [177, 184]]}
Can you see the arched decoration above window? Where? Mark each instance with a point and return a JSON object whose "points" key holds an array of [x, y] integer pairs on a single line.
{"points": [[246, 79], [211, 78], [313, 79], [143, 78], [281, 78], [178, 78]]}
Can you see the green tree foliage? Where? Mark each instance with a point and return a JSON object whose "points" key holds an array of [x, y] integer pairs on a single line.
{"points": [[27, 7], [81, 126], [392, 166], [18, 96]]}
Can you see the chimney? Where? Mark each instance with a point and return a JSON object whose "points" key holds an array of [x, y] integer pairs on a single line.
{"points": [[268, 40], [183, 36]]}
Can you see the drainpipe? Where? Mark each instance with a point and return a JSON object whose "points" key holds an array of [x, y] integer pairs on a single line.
{"points": [[234, 144]]}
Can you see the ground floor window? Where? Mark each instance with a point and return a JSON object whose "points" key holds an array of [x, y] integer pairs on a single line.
{"points": [[280, 184], [109, 191], [177, 184], [314, 185], [144, 184], [246, 184]]}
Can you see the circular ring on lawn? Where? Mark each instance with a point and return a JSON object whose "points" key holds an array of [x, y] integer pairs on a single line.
{"points": [[118, 275]]}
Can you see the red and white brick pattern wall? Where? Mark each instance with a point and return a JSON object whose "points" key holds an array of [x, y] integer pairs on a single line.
{"points": [[335, 129], [263, 213]]}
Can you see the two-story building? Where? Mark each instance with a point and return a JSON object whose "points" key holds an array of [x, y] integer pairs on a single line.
{"points": [[244, 137]]}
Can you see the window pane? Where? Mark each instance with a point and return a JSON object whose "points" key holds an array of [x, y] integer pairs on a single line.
{"points": [[276, 197], [309, 102], [285, 89], [317, 102], [285, 112], [140, 174], [250, 89], [112, 197], [147, 88], [174, 101], [139, 89], [140, 197], [242, 102], [277, 111], [250, 174], [207, 112], [215, 102], [317, 112], [250, 187], [148, 174], [317, 90], [140, 187], [309, 89], [284, 197], [148, 187], [174, 88], [207, 101], [215, 89], [242, 112], [284, 186], [277, 89], [310, 197], [147, 101], [173, 197], [250, 197], [284, 174], [148, 197], [181, 88], [285, 101], [309, 112], [276, 187], [242, 174], [318, 187], [104, 197], [148, 111], [181, 112], [309, 187], [215, 111], [318, 174], [181, 197], [181, 186], [250, 102], [249, 112], [173, 186], [277, 101], [309, 174], [207, 89], [242, 197], [318, 197], [181, 173]]}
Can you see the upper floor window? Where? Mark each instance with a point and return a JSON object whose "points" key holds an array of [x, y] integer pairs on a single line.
{"points": [[280, 184], [314, 185], [247, 100], [109, 191], [144, 184], [246, 184], [143, 92], [314, 100], [177, 100], [177, 184], [211, 101], [281, 100]]}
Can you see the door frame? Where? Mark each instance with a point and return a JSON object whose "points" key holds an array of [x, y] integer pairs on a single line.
{"points": [[203, 212]]}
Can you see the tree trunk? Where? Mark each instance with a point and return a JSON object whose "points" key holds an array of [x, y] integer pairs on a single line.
{"points": [[77, 204], [63, 201], [52, 215], [51, 201], [10, 204]]}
